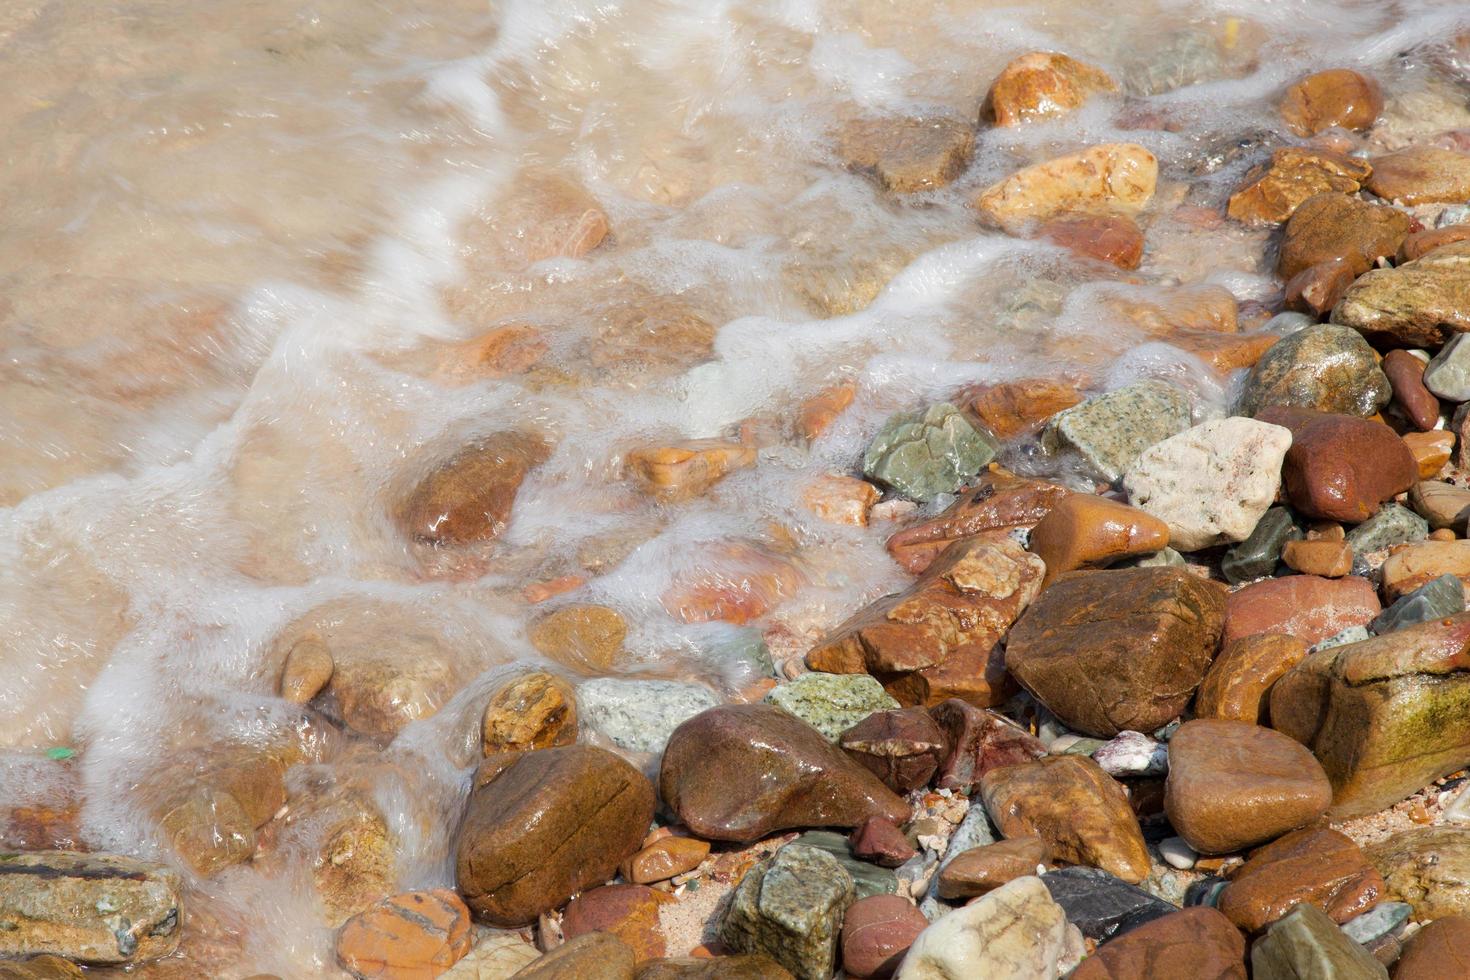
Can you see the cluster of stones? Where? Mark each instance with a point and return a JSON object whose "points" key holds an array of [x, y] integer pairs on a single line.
{"points": [[1093, 707]]}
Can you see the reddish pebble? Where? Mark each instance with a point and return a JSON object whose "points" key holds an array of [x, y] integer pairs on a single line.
{"points": [[876, 932], [1406, 376], [1305, 606], [881, 842], [1114, 239]]}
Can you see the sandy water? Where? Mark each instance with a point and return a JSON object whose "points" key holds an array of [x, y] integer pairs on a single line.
{"points": [[242, 245]]}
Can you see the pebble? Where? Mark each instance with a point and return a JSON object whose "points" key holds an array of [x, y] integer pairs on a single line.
{"points": [[907, 154], [1014, 408], [1257, 555], [1317, 866], [830, 703], [1177, 853], [1432, 450], [1333, 226], [1043, 85], [1086, 531], [1330, 559], [790, 908], [1100, 904], [1422, 175], [469, 497], [867, 877], [1294, 174], [902, 748], [1111, 178], [1429, 868], [1435, 599], [1392, 525], [880, 842], [630, 912], [1132, 754], [585, 638], [596, 956], [1325, 367], [1422, 303], [1109, 432], [1421, 242], [999, 501], [1376, 922], [1406, 569], [534, 711], [1306, 606], [1015, 931], [1197, 942], [980, 740], [1440, 949], [1341, 468], [671, 474], [1338, 97], [1306, 943], [421, 933], [307, 670], [924, 455], [982, 869], [1238, 684], [664, 859], [876, 933], [1405, 374]]}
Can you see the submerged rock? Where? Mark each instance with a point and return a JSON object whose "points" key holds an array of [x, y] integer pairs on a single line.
{"points": [[831, 703], [908, 154], [1338, 97], [469, 497], [1043, 85], [640, 715], [923, 456], [1105, 179]]}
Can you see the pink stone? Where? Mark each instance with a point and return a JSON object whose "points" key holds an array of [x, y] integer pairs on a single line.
{"points": [[1306, 606], [876, 932]]}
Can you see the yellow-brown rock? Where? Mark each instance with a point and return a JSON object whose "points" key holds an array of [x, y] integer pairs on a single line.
{"points": [[1112, 178], [1329, 559], [469, 497], [907, 154], [534, 711], [1238, 684], [1431, 450], [1270, 196], [406, 937], [982, 869], [307, 670], [681, 472], [1042, 85], [1012, 408], [1337, 97], [1422, 175], [663, 859], [586, 638], [840, 499], [1087, 531]]}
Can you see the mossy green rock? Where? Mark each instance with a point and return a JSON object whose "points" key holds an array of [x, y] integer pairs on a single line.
{"points": [[1385, 716], [1325, 367], [1111, 431], [832, 703], [923, 456], [867, 879], [790, 908]]}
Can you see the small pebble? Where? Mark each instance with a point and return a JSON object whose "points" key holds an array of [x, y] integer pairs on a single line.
{"points": [[1177, 853], [1133, 754], [1376, 922]]}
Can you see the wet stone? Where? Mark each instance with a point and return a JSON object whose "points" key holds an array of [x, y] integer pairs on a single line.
{"points": [[663, 859], [1329, 227], [981, 869], [1015, 931], [1436, 599], [1405, 374], [1392, 525], [1377, 922], [1305, 606], [902, 748], [1337, 97], [630, 912], [907, 154], [1440, 949], [790, 908], [1422, 303], [1429, 868], [1111, 178], [1238, 683], [1324, 367], [876, 932], [1132, 754], [1341, 468], [1109, 432], [1448, 373], [880, 842], [469, 498], [1442, 505], [1194, 943], [419, 933], [1305, 943], [1100, 904], [923, 456], [1316, 865], [1257, 555], [832, 703], [535, 711], [1043, 84], [640, 715], [1293, 175], [1422, 175], [594, 956]]}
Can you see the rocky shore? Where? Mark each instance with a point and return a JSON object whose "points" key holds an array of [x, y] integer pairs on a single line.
{"points": [[1169, 692]]}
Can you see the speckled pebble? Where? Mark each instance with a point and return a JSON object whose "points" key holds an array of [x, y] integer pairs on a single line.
{"points": [[1111, 431], [832, 703], [1350, 635], [1392, 525], [923, 456], [641, 715], [1376, 922]]}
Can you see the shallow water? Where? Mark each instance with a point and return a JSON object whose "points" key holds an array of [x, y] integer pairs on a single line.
{"points": [[243, 247]]}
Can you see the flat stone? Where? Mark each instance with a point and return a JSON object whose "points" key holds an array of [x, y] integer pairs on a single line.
{"points": [[540, 826], [1385, 716], [1440, 949], [1087, 531], [1422, 242], [1341, 468], [1330, 559], [924, 455], [876, 933], [1422, 175], [1325, 367], [1337, 97], [1118, 650], [1305, 606], [790, 908], [1111, 178], [867, 878], [630, 912], [1304, 943], [1405, 374], [1429, 868], [663, 859], [1436, 599], [1043, 85], [740, 772], [1212, 483], [1233, 785], [999, 501], [1197, 942], [902, 748], [1257, 555], [831, 703], [1015, 931], [1316, 865], [534, 711], [1338, 227], [979, 741], [1418, 564], [92, 908], [1109, 432], [1132, 754], [1080, 811], [1014, 408], [1377, 922], [595, 956], [1238, 684], [906, 154], [1418, 304], [1448, 373], [585, 638], [469, 497], [1272, 193], [1103, 905], [940, 638], [1112, 238], [421, 933], [982, 869], [748, 966]]}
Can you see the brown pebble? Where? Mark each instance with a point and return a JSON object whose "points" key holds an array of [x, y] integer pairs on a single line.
{"points": [[1432, 450], [1330, 559], [982, 869], [1338, 97], [307, 670], [1406, 376]]}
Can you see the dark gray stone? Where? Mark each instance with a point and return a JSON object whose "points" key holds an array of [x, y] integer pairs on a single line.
{"points": [[1444, 596], [1257, 555], [1102, 905]]}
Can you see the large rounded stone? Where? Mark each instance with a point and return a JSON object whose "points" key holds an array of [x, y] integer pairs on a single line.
{"points": [[1338, 227], [1041, 85], [1341, 468], [1332, 98], [1118, 650], [469, 497], [876, 933], [542, 825], [1080, 811], [1238, 684], [1233, 785], [1316, 865], [739, 772], [1440, 949], [1326, 367], [1418, 304]]}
